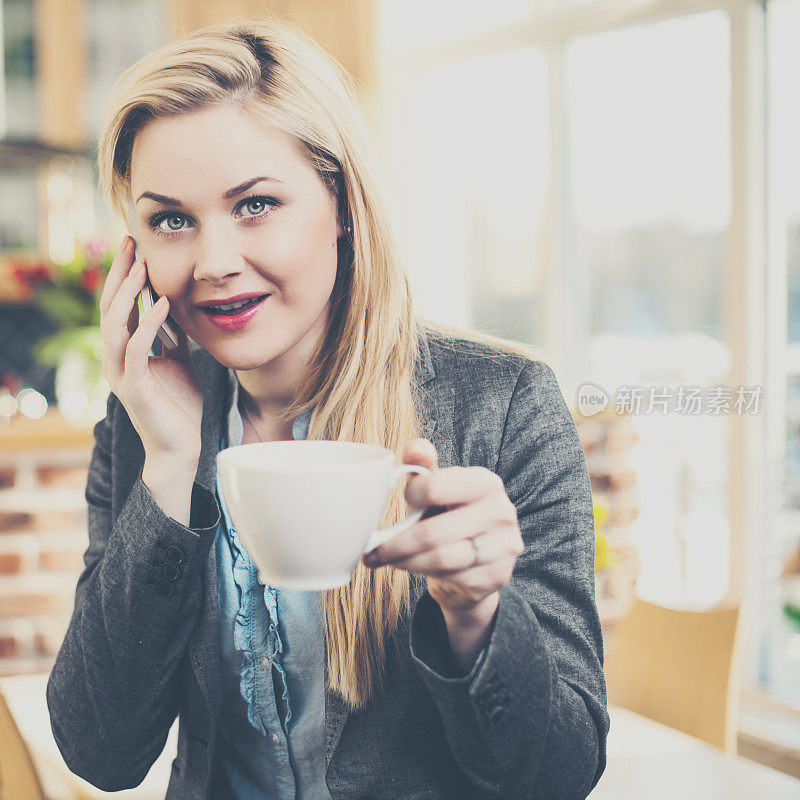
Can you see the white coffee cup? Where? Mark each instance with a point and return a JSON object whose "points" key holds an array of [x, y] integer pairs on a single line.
{"points": [[306, 510]]}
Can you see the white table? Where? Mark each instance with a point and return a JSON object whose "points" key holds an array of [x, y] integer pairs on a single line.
{"points": [[646, 760], [650, 761]]}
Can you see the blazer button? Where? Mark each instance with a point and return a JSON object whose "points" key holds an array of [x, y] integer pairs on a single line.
{"points": [[496, 713], [175, 554], [165, 588], [169, 571]]}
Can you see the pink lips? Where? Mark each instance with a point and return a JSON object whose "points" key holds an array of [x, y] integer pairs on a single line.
{"points": [[233, 323]]}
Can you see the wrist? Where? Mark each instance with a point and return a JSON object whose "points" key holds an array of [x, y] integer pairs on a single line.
{"points": [[469, 629], [171, 488], [478, 615], [179, 469]]}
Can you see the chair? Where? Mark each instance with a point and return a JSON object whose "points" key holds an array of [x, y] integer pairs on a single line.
{"points": [[680, 668], [18, 778]]}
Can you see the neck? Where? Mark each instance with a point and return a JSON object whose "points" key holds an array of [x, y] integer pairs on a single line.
{"points": [[269, 389], [266, 430], [260, 406]]}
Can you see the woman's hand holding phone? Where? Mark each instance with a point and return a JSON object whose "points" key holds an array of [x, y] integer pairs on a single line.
{"points": [[162, 396]]}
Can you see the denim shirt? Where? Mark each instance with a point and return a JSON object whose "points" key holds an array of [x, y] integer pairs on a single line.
{"points": [[272, 650]]}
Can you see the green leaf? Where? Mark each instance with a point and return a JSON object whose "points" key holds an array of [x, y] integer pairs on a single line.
{"points": [[792, 612], [63, 306], [87, 339]]}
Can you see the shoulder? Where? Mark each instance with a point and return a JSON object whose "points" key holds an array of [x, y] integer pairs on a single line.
{"points": [[487, 372], [493, 399]]}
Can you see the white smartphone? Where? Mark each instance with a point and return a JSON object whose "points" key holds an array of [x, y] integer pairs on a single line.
{"points": [[167, 337]]}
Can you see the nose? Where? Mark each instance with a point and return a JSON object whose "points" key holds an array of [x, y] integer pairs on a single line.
{"points": [[215, 257]]}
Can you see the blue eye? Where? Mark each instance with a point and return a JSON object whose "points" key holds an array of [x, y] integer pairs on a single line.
{"points": [[258, 205], [172, 219], [255, 206]]}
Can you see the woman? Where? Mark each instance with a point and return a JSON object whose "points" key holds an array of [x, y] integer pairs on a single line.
{"points": [[465, 659]]}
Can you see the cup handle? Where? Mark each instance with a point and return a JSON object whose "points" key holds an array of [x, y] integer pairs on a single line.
{"points": [[379, 537]]}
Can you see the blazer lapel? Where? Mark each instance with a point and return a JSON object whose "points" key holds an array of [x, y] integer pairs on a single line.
{"points": [[204, 643]]}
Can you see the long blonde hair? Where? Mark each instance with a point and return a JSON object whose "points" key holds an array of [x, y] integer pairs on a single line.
{"points": [[360, 381]]}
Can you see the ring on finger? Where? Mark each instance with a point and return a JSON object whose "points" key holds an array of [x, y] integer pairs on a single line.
{"points": [[475, 547]]}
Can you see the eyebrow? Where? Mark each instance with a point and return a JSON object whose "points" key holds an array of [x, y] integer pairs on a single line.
{"points": [[234, 191]]}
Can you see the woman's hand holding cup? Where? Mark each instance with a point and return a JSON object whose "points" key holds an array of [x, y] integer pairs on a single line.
{"points": [[162, 396], [467, 551]]}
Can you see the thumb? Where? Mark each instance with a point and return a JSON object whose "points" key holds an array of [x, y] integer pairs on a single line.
{"points": [[421, 452]]}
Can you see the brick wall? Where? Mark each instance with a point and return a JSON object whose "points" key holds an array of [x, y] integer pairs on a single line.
{"points": [[42, 539]]}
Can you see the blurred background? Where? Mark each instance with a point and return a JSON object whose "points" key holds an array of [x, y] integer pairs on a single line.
{"points": [[615, 181]]}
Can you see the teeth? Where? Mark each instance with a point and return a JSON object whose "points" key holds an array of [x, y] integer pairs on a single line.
{"points": [[231, 306]]}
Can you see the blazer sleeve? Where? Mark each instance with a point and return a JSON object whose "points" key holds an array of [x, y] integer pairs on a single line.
{"points": [[530, 719], [112, 692]]}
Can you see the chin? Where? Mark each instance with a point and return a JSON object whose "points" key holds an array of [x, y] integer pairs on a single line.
{"points": [[239, 361], [242, 355]]}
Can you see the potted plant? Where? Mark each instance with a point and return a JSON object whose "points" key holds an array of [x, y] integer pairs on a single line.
{"points": [[69, 294]]}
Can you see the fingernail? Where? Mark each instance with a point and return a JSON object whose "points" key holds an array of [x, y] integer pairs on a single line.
{"points": [[123, 245], [370, 558]]}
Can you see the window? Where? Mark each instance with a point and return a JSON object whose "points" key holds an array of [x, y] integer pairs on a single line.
{"points": [[118, 35], [637, 206], [779, 663], [19, 204], [19, 114], [650, 152], [48, 198], [476, 187]]}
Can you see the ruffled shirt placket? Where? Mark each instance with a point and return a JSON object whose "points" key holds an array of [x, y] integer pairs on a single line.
{"points": [[257, 638]]}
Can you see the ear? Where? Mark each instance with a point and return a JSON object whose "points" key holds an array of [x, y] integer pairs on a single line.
{"points": [[334, 190]]}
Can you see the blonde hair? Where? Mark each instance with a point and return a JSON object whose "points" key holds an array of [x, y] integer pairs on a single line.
{"points": [[360, 381]]}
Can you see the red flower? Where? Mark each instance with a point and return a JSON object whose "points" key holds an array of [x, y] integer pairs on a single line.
{"points": [[90, 278], [29, 276], [20, 275], [41, 273]]}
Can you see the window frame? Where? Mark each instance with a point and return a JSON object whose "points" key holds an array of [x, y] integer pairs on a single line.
{"points": [[755, 290]]}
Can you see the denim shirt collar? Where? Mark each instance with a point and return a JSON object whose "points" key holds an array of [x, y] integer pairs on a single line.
{"points": [[235, 428]]}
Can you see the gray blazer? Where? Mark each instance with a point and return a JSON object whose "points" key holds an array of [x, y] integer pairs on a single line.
{"points": [[142, 645]]}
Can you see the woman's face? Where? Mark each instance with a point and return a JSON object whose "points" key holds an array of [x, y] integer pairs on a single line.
{"points": [[227, 205]]}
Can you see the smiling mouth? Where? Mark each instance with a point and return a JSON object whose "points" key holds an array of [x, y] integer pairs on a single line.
{"points": [[216, 311]]}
